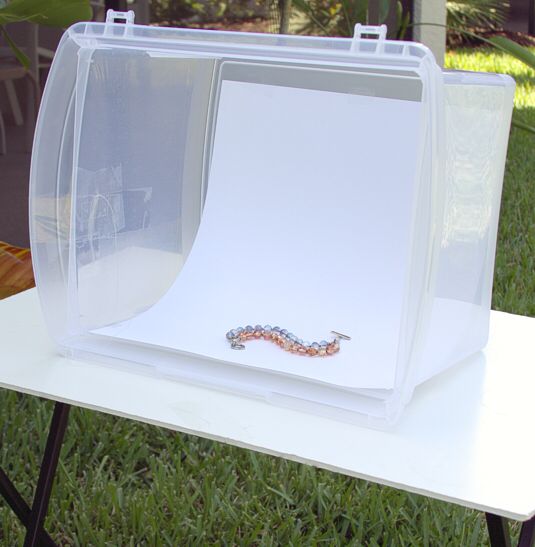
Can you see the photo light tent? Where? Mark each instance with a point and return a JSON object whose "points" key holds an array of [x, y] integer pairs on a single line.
{"points": [[187, 182]]}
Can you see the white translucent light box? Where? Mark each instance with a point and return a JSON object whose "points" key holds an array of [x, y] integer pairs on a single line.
{"points": [[188, 182]]}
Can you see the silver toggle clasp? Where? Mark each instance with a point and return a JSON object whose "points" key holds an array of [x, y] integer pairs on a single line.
{"points": [[339, 335], [234, 344]]}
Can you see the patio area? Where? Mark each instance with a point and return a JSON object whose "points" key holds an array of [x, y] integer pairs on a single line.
{"points": [[14, 179]]}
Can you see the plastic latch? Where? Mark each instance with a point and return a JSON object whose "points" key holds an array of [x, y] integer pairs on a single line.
{"points": [[368, 31], [124, 17]]}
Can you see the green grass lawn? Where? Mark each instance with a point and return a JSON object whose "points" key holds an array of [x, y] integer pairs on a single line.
{"points": [[125, 483]]}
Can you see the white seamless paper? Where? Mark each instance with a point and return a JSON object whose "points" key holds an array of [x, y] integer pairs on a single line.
{"points": [[306, 226]]}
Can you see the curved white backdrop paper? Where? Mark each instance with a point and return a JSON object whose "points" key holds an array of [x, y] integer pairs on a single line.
{"points": [[306, 226]]}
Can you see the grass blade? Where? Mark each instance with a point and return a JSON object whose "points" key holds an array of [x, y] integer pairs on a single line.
{"points": [[521, 125], [512, 48], [22, 58]]}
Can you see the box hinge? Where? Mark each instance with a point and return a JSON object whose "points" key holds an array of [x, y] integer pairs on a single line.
{"points": [[124, 17], [363, 32]]}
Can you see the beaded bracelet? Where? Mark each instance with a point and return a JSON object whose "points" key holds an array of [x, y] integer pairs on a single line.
{"points": [[286, 340]]}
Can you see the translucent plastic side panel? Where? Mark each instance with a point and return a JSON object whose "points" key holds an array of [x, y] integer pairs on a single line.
{"points": [[51, 188], [426, 226], [478, 114], [140, 123]]}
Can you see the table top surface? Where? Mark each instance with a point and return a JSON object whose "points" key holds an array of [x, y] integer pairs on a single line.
{"points": [[466, 437]]}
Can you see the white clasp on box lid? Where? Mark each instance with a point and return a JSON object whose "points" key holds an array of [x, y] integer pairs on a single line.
{"points": [[369, 30], [126, 17]]}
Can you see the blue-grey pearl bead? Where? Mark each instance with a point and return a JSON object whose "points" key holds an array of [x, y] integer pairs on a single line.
{"points": [[284, 332], [267, 328], [315, 345], [324, 343], [249, 328], [230, 335], [276, 329]]}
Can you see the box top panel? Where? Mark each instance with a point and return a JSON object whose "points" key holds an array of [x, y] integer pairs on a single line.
{"points": [[225, 44]]}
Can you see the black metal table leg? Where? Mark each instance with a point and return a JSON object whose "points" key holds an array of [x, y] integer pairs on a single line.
{"points": [[13, 498], [19, 506], [527, 534], [46, 474], [499, 532]]}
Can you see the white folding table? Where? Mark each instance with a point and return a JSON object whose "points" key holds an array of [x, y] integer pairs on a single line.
{"points": [[465, 438]]}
